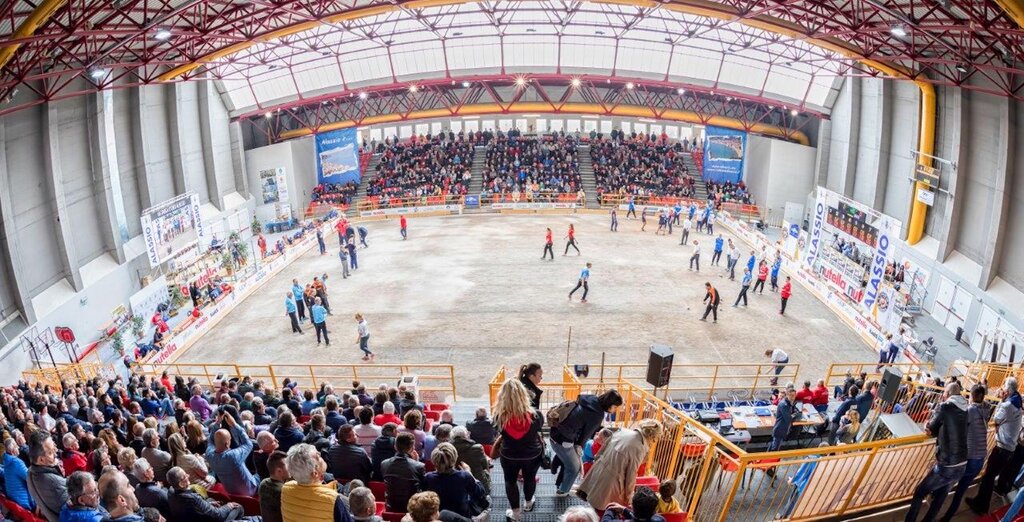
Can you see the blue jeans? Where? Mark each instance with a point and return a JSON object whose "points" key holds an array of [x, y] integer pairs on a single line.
{"points": [[973, 467], [571, 465], [364, 345], [1018, 502], [936, 483]]}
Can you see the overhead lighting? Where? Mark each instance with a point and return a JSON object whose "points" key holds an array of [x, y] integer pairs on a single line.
{"points": [[680, 91], [465, 85], [531, 30], [162, 34], [413, 88], [629, 85], [794, 112], [98, 73], [712, 93], [269, 115], [960, 67], [729, 98], [576, 82], [520, 81], [362, 95], [898, 31]]}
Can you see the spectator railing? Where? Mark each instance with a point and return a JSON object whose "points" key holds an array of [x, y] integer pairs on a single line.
{"points": [[529, 197], [377, 202], [434, 382], [554, 394], [52, 376], [703, 382], [836, 374]]}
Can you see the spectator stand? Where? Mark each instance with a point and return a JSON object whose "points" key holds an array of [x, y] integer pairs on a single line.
{"points": [[720, 480]]}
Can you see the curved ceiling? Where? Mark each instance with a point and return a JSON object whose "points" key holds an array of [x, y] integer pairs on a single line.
{"points": [[51, 49]]}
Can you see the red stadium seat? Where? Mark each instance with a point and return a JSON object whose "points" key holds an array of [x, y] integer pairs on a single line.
{"points": [[217, 492], [438, 407], [649, 482], [392, 517], [433, 415], [251, 505], [675, 517], [380, 508], [378, 488], [19, 513]]}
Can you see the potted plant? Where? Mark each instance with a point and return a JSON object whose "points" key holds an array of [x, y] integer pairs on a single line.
{"points": [[177, 299], [117, 342], [256, 226], [227, 263], [138, 326]]}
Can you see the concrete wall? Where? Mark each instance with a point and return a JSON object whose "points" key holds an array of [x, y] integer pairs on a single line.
{"points": [[65, 260], [975, 230], [778, 172]]}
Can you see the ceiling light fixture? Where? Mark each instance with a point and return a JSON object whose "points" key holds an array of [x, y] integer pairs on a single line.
{"points": [[465, 85], [269, 115], [680, 91], [794, 112], [413, 88], [520, 81], [162, 34], [960, 67], [362, 95], [629, 85], [576, 82], [898, 31], [97, 73]]}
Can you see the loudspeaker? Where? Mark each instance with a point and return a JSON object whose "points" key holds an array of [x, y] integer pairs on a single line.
{"points": [[889, 385], [659, 365]]}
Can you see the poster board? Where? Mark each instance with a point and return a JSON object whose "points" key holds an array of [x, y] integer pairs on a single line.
{"points": [[172, 227], [273, 185], [724, 152], [337, 156], [144, 302]]}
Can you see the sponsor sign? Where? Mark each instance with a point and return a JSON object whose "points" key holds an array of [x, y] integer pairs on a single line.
{"points": [[814, 242], [532, 206], [337, 156], [724, 150], [471, 201], [926, 196], [883, 251], [171, 228], [410, 210]]}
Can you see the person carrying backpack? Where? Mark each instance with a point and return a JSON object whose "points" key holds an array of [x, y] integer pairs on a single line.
{"points": [[573, 423]]}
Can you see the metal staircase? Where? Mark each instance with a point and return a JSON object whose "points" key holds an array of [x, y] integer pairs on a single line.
{"points": [[587, 179]]}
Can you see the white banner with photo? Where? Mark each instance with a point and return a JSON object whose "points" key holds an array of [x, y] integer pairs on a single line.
{"points": [[171, 228]]}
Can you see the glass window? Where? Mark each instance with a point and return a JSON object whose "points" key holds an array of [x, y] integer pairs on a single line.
{"points": [[572, 125], [435, 128], [606, 127], [542, 125], [472, 125]]}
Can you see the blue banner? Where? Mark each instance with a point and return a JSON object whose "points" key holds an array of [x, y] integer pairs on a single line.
{"points": [[724, 150], [337, 156]]}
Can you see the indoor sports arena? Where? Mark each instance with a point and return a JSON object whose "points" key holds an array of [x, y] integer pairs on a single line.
{"points": [[277, 260]]}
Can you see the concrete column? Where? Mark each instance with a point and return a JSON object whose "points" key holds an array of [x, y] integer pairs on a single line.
{"points": [[850, 171], [106, 174], [999, 212], [954, 113], [213, 184], [9, 236], [140, 142], [823, 152], [174, 103], [55, 182], [238, 159], [884, 118]]}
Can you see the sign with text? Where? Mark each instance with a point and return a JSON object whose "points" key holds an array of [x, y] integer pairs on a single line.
{"points": [[337, 156], [171, 228], [724, 150]]}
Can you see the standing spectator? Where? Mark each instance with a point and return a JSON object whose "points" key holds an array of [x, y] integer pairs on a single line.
{"points": [[227, 463], [292, 311], [575, 429], [1007, 420], [270, 488], [45, 481], [949, 426], [521, 445], [83, 499], [319, 316], [531, 375], [785, 413], [977, 442], [118, 498], [481, 429], [346, 459], [404, 473], [780, 359], [186, 504], [613, 477]]}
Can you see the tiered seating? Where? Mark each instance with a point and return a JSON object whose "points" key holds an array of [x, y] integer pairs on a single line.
{"points": [[729, 192], [340, 194], [431, 166], [532, 165], [643, 166]]}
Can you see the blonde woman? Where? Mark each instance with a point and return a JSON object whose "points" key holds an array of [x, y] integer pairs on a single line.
{"points": [[193, 466], [454, 484], [196, 441], [848, 427], [613, 476], [520, 447]]}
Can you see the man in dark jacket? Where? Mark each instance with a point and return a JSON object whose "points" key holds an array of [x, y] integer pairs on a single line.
{"points": [[45, 481], [849, 402], [346, 460], [404, 474], [576, 429], [383, 448], [977, 443], [186, 504], [473, 455], [949, 426], [865, 399], [1007, 421], [333, 418], [148, 492], [785, 413], [481, 429]]}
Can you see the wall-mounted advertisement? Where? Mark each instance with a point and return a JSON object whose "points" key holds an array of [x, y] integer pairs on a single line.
{"points": [[273, 185], [337, 156], [171, 228], [724, 150]]}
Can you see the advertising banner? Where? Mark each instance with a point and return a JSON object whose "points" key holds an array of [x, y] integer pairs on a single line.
{"points": [[884, 248], [817, 221], [171, 228], [272, 184], [724, 150], [145, 301], [410, 210], [337, 156]]}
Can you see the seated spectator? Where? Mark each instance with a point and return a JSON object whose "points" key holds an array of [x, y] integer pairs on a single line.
{"points": [[72, 459], [45, 481], [447, 419], [309, 403], [431, 167], [158, 458], [820, 398], [645, 506], [16, 476], [412, 424], [387, 415], [187, 505], [640, 166], [151, 515], [481, 429], [407, 403], [228, 464], [125, 460], [118, 498], [333, 418], [287, 433], [348, 461], [404, 473], [196, 440], [426, 507], [270, 487], [806, 394], [266, 444], [667, 502], [579, 514], [366, 430], [383, 448], [472, 454], [83, 499], [261, 416], [362, 505], [199, 404], [148, 492], [316, 432], [457, 489], [198, 473], [306, 497], [530, 165], [443, 434]]}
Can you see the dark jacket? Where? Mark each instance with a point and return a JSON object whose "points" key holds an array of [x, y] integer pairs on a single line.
{"points": [[48, 488], [949, 426], [473, 455], [977, 430], [288, 437], [582, 422], [383, 448], [844, 407], [335, 420], [864, 402], [150, 494], [533, 391], [458, 491], [521, 441], [188, 505], [404, 478], [785, 414], [482, 430], [348, 461]]}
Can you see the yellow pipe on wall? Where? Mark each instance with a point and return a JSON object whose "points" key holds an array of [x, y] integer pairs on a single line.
{"points": [[28, 28], [925, 145], [634, 111]]}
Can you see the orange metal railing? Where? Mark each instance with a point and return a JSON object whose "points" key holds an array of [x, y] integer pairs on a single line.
{"points": [[703, 381], [380, 202]]}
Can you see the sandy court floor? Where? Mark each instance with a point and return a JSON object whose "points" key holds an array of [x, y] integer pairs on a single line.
{"points": [[472, 291]]}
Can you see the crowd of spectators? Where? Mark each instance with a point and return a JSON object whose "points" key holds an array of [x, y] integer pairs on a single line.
{"points": [[531, 165], [728, 192], [336, 193], [423, 166], [640, 165]]}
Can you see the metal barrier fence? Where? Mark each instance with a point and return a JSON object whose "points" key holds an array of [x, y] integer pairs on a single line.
{"points": [[554, 394], [435, 382], [701, 382], [53, 376], [739, 210], [836, 374], [378, 202]]}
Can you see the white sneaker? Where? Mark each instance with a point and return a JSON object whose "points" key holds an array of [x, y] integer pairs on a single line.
{"points": [[559, 494], [482, 517], [513, 515], [528, 505]]}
